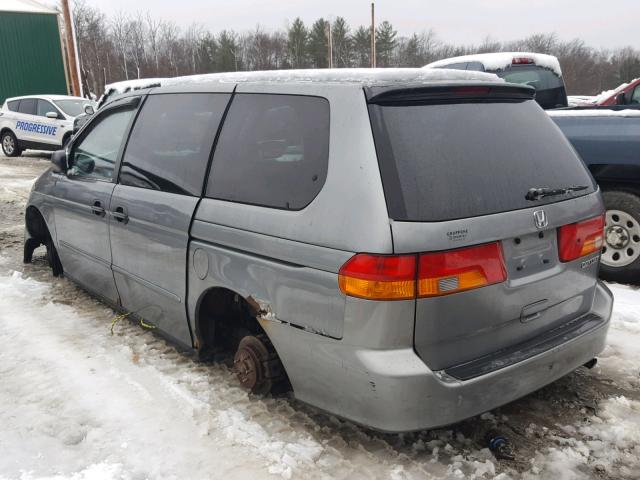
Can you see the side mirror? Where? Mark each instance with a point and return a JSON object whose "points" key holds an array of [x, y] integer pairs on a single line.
{"points": [[621, 99], [59, 160], [51, 115], [89, 110]]}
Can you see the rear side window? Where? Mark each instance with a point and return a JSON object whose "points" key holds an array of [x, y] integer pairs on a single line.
{"points": [[458, 160], [13, 105], [28, 106], [171, 141], [273, 151]]}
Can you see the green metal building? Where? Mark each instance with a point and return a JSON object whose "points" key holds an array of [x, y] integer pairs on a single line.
{"points": [[31, 57]]}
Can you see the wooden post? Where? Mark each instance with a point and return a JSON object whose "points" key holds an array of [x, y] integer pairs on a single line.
{"points": [[71, 49], [373, 36], [330, 45]]}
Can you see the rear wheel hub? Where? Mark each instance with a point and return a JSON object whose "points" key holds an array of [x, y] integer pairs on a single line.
{"points": [[250, 365]]}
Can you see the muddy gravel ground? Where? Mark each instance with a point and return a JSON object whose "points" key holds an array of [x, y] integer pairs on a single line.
{"points": [[570, 429]]}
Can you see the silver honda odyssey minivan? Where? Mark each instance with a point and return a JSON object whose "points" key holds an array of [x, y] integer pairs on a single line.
{"points": [[401, 248]]}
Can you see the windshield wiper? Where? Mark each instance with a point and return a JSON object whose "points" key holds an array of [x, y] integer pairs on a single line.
{"points": [[539, 193]]}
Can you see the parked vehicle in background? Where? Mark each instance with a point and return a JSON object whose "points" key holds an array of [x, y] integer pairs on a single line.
{"points": [[40, 122], [626, 95], [539, 71], [609, 143], [306, 224]]}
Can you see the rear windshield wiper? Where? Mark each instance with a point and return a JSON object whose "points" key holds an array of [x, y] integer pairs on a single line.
{"points": [[539, 193]]}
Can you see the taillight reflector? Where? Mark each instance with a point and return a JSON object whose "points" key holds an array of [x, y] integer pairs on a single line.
{"points": [[379, 277], [522, 61], [579, 239], [443, 273], [403, 277]]}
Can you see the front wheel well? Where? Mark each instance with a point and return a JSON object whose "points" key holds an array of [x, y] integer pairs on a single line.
{"points": [[36, 225]]}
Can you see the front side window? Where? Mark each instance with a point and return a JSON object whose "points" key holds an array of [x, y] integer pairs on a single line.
{"points": [[635, 98], [171, 142], [45, 107], [28, 106], [273, 151], [95, 155]]}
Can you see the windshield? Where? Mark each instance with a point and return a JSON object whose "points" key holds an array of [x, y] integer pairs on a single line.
{"points": [[550, 91], [456, 160], [73, 108]]}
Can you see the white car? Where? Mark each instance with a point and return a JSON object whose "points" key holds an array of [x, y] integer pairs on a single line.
{"points": [[40, 122]]}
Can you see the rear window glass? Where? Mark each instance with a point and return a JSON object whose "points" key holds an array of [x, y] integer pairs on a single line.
{"points": [[273, 151], [171, 141], [449, 161], [536, 77]]}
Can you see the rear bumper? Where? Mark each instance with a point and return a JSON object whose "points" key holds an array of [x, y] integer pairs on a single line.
{"points": [[394, 391]]}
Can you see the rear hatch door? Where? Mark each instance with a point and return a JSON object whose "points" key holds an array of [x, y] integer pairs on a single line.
{"points": [[457, 163]]}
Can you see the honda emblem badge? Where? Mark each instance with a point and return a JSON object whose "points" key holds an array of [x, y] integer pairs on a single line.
{"points": [[540, 219]]}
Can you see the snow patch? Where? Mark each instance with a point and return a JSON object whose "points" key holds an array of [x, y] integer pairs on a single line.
{"points": [[364, 76], [595, 112], [101, 471]]}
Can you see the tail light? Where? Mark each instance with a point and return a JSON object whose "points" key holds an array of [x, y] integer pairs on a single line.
{"points": [[472, 90], [379, 277], [522, 61], [442, 273], [579, 239], [403, 277]]}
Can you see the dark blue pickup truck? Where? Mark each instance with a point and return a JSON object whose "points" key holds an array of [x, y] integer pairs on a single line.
{"points": [[609, 143]]}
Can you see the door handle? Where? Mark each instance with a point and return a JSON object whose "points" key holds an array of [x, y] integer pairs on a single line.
{"points": [[120, 214], [98, 209]]}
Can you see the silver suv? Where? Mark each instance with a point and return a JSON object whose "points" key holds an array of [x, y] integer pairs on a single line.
{"points": [[404, 249]]}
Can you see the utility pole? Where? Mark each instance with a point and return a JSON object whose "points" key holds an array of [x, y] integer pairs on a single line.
{"points": [[373, 36], [71, 49], [330, 44]]}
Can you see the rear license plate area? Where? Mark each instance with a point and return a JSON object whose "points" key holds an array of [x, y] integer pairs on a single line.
{"points": [[530, 254]]}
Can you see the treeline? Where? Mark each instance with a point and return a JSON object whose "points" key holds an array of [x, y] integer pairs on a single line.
{"points": [[125, 47]]}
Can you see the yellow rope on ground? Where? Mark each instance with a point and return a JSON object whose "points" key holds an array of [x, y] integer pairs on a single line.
{"points": [[143, 324], [117, 319]]}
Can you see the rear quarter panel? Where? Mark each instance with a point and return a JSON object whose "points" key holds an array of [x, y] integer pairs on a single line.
{"points": [[288, 261]]}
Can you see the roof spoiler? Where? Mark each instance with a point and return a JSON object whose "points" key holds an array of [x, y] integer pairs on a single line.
{"points": [[448, 93]]}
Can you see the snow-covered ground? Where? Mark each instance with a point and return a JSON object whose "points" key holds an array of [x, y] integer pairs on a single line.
{"points": [[78, 402]]}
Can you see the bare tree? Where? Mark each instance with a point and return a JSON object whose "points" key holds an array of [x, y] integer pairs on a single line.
{"points": [[153, 37], [120, 34], [117, 47]]}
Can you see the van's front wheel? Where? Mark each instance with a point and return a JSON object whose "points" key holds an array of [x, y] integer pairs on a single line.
{"points": [[257, 365], [620, 260]]}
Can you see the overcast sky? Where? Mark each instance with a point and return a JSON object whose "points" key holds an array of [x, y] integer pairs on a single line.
{"points": [[602, 23]]}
